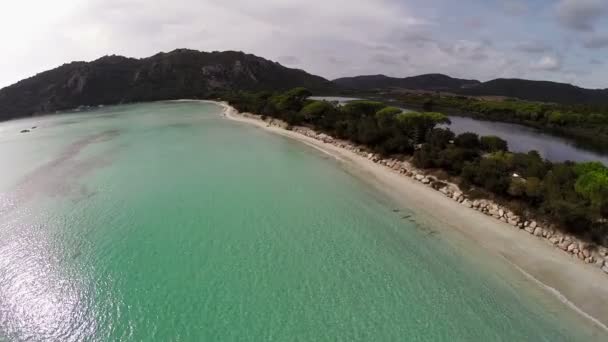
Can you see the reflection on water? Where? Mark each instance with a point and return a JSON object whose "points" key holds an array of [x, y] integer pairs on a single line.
{"points": [[40, 300], [524, 139], [339, 99], [41, 297]]}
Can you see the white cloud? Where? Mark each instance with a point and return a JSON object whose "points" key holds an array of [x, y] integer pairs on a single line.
{"points": [[331, 38], [549, 63], [270, 28]]}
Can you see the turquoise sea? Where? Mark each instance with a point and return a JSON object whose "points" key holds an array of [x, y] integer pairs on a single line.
{"points": [[167, 222]]}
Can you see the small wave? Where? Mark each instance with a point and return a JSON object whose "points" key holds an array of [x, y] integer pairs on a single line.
{"points": [[562, 298], [324, 151]]}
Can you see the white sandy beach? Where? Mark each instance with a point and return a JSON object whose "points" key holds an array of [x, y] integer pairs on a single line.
{"points": [[583, 288]]}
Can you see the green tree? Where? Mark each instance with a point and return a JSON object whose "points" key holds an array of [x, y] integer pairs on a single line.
{"points": [[467, 140], [533, 188], [493, 144], [368, 131], [453, 158], [386, 117], [593, 186], [439, 138], [388, 112], [583, 168], [491, 173], [557, 118], [529, 164], [517, 187], [292, 100], [357, 109], [416, 125], [322, 113]]}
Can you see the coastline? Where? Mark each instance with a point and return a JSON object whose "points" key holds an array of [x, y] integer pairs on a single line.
{"points": [[577, 285]]}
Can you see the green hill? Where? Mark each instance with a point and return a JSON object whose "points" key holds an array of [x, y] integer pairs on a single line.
{"points": [[178, 74]]}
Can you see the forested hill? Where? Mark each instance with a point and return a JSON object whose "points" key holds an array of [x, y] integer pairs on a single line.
{"points": [[178, 74], [542, 91], [436, 82]]}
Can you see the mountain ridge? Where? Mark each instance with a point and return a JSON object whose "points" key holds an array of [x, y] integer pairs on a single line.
{"points": [[542, 91], [181, 73], [433, 81], [531, 90]]}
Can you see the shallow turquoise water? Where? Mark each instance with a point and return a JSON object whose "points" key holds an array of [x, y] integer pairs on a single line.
{"points": [[166, 222]]}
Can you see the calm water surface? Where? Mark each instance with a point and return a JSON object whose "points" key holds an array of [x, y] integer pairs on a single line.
{"points": [[520, 138], [523, 139], [339, 99], [166, 222]]}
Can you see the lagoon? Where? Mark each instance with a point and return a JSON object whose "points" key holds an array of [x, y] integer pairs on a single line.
{"points": [[523, 139]]}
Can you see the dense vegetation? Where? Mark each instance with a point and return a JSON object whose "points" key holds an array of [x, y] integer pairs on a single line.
{"points": [[541, 91], [574, 196], [587, 124], [164, 76], [386, 130]]}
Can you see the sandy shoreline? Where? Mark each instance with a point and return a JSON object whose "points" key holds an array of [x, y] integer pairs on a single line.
{"points": [[584, 289]]}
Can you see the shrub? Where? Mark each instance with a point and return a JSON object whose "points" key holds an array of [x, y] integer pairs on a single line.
{"points": [[493, 144], [467, 140]]}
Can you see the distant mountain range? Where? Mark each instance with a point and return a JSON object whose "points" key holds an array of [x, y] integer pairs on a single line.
{"points": [[193, 74], [174, 75], [437, 82], [542, 91]]}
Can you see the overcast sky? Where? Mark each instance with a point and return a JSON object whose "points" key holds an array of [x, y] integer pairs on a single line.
{"points": [[560, 40]]}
